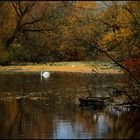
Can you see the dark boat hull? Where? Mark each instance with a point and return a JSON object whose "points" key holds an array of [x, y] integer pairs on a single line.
{"points": [[97, 102]]}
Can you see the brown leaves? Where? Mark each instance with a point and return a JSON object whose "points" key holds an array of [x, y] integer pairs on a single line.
{"points": [[134, 66]]}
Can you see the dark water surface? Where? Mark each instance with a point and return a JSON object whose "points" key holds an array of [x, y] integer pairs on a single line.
{"points": [[49, 108]]}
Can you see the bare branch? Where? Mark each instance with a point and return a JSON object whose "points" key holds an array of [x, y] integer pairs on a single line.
{"points": [[112, 26], [16, 9], [35, 30], [41, 29], [126, 8], [96, 46], [19, 5], [30, 23], [28, 8]]}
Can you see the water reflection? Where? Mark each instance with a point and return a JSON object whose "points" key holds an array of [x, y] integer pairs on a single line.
{"points": [[49, 109], [66, 129]]}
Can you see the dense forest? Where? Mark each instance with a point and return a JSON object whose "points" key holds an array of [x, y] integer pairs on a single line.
{"points": [[42, 31]]}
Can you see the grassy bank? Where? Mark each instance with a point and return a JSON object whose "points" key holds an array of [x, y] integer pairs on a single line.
{"points": [[84, 67]]}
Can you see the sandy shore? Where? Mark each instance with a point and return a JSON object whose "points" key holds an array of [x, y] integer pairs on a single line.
{"points": [[75, 68]]}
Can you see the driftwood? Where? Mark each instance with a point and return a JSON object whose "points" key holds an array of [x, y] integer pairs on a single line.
{"points": [[96, 102]]}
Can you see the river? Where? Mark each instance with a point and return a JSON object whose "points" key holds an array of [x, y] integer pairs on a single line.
{"points": [[49, 108]]}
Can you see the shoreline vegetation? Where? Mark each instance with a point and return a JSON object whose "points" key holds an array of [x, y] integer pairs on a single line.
{"points": [[82, 67]]}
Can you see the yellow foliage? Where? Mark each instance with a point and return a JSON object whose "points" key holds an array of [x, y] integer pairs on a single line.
{"points": [[123, 17], [108, 37], [71, 19], [125, 32], [8, 20], [135, 50], [85, 4]]}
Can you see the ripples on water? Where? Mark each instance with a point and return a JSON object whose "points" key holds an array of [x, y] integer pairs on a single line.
{"points": [[50, 108]]}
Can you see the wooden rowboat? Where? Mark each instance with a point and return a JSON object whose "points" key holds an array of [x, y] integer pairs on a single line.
{"points": [[97, 102]]}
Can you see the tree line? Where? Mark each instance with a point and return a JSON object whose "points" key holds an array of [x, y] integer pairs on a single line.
{"points": [[42, 31]]}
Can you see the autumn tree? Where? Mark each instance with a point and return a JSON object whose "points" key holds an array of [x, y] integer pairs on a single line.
{"points": [[110, 32], [57, 31], [25, 21], [77, 18]]}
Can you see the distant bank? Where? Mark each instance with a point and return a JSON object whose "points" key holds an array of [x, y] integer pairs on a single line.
{"points": [[83, 67]]}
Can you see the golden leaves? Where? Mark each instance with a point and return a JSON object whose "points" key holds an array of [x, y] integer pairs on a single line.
{"points": [[123, 17], [85, 4]]}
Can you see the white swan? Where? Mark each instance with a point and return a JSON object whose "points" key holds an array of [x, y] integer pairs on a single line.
{"points": [[72, 65], [45, 74]]}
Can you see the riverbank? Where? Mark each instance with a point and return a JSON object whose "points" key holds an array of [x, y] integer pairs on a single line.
{"points": [[83, 67]]}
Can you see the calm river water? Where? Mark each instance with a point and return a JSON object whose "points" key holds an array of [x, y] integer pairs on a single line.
{"points": [[49, 108]]}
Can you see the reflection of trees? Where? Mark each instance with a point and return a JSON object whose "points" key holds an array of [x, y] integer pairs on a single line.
{"points": [[18, 118], [103, 84], [119, 122], [125, 122], [21, 120]]}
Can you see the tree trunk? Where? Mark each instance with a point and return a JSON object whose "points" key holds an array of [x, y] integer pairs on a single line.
{"points": [[9, 41]]}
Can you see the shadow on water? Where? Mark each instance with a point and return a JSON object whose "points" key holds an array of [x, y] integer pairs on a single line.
{"points": [[49, 108]]}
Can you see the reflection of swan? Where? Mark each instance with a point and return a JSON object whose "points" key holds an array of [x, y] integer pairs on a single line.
{"points": [[45, 74], [94, 117]]}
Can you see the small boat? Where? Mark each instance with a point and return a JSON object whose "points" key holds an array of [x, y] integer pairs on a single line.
{"points": [[97, 102]]}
